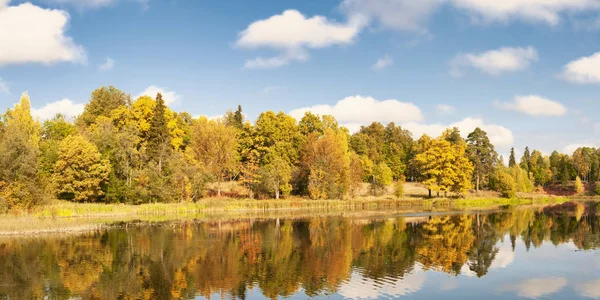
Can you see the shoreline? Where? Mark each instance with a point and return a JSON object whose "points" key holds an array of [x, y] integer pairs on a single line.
{"points": [[67, 217]]}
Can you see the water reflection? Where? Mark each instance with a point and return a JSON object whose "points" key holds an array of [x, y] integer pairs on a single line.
{"points": [[528, 253]]}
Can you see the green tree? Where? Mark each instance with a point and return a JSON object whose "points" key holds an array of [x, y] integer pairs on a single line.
{"points": [[276, 175], [512, 161], [80, 172], [158, 134], [481, 154], [102, 102], [526, 160]]}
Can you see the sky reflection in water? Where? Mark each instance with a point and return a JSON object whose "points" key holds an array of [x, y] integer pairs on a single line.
{"points": [[549, 253]]}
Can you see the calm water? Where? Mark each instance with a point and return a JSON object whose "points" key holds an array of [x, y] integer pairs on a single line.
{"points": [[549, 253]]}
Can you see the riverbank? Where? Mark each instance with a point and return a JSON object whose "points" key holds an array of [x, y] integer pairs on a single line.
{"points": [[62, 216]]}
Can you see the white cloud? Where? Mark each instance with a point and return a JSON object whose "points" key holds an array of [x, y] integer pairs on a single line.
{"points": [[292, 34], [445, 109], [495, 62], [534, 105], [406, 15], [500, 136], [4, 86], [537, 287], [410, 15], [31, 34], [383, 63], [170, 97], [569, 149], [93, 4], [360, 287], [65, 107], [504, 257], [108, 65], [590, 289], [364, 110], [584, 70]]}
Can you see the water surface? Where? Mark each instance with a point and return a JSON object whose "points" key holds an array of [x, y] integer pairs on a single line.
{"points": [[541, 253]]}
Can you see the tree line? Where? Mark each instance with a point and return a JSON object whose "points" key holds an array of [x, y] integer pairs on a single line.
{"points": [[121, 150]]}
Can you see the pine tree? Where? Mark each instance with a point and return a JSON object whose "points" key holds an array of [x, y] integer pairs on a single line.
{"points": [[512, 161], [526, 160], [158, 133], [482, 154]]}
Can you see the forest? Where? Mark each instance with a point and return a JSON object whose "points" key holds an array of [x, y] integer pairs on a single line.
{"points": [[124, 150]]}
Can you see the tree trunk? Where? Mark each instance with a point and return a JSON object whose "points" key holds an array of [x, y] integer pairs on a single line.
{"points": [[438, 193], [277, 194], [219, 188], [477, 187], [429, 193]]}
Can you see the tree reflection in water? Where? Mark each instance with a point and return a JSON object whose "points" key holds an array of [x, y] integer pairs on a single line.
{"points": [[280, 257]]}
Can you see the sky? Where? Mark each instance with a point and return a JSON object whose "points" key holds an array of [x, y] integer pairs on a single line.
{"points": [[525, 71]]}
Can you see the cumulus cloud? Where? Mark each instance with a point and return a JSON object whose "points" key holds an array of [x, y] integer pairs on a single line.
{"points": [[410, 15], [500, 136], [495, 62], [590, 289], [292, 34], [572, 147], [383, 62], [360, 287], [31, 34], [93, 4], [364, 110], [585, 70], [4, 86], [170, 97], [534, 105], [406, 15], [108, 65], [537, 287], [445, 109], [65, 107]]}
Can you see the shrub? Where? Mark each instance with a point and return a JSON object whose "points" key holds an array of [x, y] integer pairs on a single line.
{"points": [[506, 185], [399, 189], [579, 188], [597, 189]]}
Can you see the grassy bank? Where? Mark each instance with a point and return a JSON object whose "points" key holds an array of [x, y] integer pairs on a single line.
{"points": [[61, 216]]}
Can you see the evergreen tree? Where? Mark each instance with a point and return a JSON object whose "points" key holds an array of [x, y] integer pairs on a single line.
{"points": [[481, 154], [526, 160], [158, 134], [512, 161]]}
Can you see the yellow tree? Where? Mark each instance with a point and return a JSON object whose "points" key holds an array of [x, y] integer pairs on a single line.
{"points": [[328, 162], [19, 149], [80, 171], [214, 144]]}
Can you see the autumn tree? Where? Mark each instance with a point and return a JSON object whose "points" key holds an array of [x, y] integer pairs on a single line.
{"points": [[19, 149], [102, 102], [276, 175], [481, 154], [214, 144], [80, 172], [382, 177]]}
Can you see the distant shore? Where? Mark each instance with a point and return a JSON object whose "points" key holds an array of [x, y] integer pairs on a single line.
{"points": [[68, 217]]}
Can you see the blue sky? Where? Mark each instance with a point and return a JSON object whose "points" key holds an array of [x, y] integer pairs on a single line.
{"points": [[524, 70]]}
